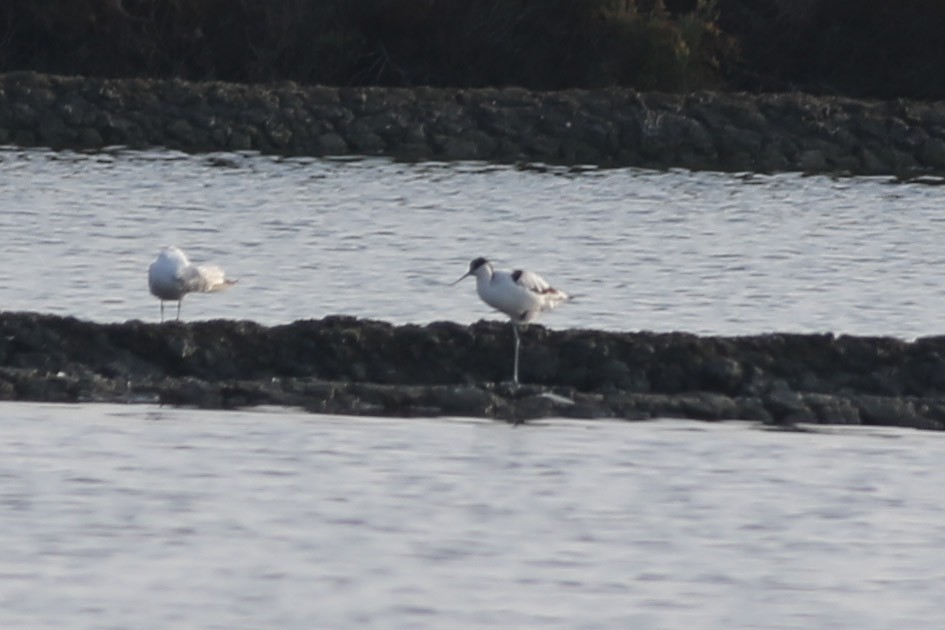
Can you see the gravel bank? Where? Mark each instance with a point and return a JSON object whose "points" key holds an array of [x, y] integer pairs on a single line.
{"points": [[344, 365], [614, 127]]}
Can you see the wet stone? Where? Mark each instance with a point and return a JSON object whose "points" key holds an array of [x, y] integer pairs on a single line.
{"points": [[344, 365], [331, 144], [239, 141], [613, 127], [24, 138], [89, 138]]}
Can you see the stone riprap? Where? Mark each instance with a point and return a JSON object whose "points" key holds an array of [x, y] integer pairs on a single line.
{"points": [[345, 365], [612, 127]]}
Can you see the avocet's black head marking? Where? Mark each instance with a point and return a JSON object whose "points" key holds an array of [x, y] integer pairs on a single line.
{"points": [[473, 266]]}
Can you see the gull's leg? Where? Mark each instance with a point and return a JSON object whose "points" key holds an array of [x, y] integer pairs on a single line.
{"points": [[517, 343], [178, 308], [162, 311]]}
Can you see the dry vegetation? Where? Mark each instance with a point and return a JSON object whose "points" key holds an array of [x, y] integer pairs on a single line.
{"points": [[858, 47], [541, 44]]}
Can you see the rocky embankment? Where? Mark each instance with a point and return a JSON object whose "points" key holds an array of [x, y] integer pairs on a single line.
{"points": [[349, 366], [613, 127]]}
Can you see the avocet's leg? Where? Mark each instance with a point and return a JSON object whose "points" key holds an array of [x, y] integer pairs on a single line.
{"points": [[162, 311], [178, 308], [517, 344]]}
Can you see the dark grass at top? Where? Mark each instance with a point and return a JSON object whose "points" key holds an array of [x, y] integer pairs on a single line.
{"points": [[539, 44], [861, 48], [854, 47]]}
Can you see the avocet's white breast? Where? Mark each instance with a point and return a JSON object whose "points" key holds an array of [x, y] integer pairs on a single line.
{"points": [[522, 295]]}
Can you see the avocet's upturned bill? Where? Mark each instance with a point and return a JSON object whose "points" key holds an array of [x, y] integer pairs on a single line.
{"points": [[522, 295], [171, 276]]}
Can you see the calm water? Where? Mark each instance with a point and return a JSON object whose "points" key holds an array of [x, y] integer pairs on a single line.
{"points": [[700, 252], [140, 517]]}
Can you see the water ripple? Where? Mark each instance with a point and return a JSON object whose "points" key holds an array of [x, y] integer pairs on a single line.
{"points": [[704, 252], [155, 518]]}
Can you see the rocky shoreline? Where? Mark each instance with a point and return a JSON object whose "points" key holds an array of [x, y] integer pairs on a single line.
{"points": [[343, 365], [612, 127]]}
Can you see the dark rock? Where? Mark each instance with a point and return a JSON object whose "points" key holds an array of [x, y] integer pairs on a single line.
{"points": [[279, 134], [346, 365], [788, 407], [24, 138], [752, 409], [180, 129], [812, 160], [75, 110], [708, 406], [331, 144], [460, 401], [89, 138], [723, 374], [833, 409], [363, 139], [612, 127], [54, 132], [932, 153], [239, 141], [21, 114], [453, 148], [531, 407], [871, 164]]}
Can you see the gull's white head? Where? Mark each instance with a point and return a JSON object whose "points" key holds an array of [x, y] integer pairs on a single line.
{"points": [[171, 252]]}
